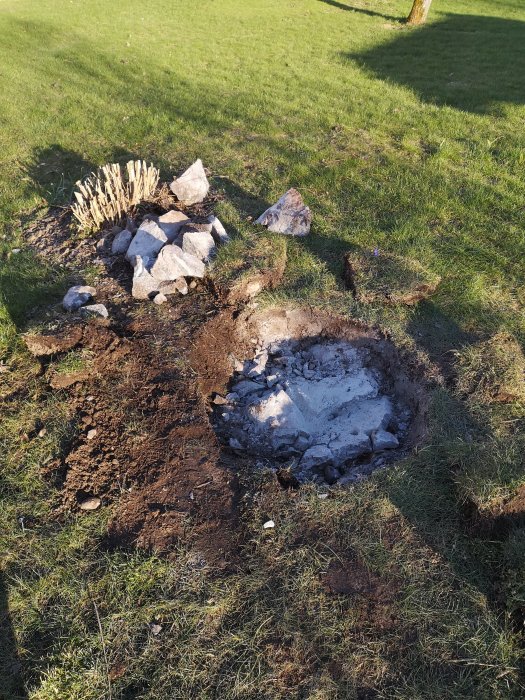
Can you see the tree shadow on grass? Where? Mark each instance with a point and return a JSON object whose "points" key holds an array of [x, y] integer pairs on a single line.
{"points": [[11, 682], [360, 10], [465, 61]]}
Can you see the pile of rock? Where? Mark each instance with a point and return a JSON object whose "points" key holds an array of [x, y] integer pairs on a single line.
{"points": [[167, 250], [319, 404]]}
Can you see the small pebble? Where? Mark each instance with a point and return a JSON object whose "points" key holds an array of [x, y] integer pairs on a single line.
{"points": [[91, 503], [268, 524], [160, 299], [91, 434]]}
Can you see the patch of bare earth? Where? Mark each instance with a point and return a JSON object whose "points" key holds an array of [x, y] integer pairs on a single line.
{"points": [[144, 443]]}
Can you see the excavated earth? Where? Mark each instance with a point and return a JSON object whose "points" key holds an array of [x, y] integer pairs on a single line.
{"points": [[150, 436]]}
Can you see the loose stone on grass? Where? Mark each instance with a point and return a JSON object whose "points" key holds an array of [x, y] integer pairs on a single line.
{"points": [[77, 296], [289, 215], [218, 231], [90, 503], [94, 311]]}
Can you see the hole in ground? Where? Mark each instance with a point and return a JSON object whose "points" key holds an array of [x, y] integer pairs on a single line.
{"points": [[327, 398]]}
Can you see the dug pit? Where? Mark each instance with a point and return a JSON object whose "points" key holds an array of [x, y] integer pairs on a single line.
{"points": [[328, 398]]}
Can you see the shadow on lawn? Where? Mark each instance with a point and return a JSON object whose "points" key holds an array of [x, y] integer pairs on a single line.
{"points": [[11, 683], [464, 61], [361, 10]]}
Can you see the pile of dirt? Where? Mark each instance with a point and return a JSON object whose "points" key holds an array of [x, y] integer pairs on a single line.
{"points": [[143, 439]]}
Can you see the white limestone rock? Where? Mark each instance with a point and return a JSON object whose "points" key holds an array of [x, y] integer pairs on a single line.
{"points": [[121, 242], [192, 186], [147, 242], [172, 222], [144, 285], [218, 231], [200, 244], [289, 216], [77, 296], [94, 311], [173, 263]]}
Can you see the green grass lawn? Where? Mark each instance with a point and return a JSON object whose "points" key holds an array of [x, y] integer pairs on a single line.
{"points": [[409, 140]]}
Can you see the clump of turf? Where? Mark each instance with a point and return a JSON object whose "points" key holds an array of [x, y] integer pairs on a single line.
{"points": [[490, 473], [492, 371], [248, 265], [374, 276]]}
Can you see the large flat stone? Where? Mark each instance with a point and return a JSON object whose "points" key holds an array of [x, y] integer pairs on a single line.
{"points": [[173, 263], [147, 242]]}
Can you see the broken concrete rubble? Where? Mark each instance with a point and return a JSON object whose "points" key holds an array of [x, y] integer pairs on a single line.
{"points": [[319, 404]]}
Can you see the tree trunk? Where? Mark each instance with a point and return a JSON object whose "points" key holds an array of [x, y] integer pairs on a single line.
{"points": [[419, 12]]}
